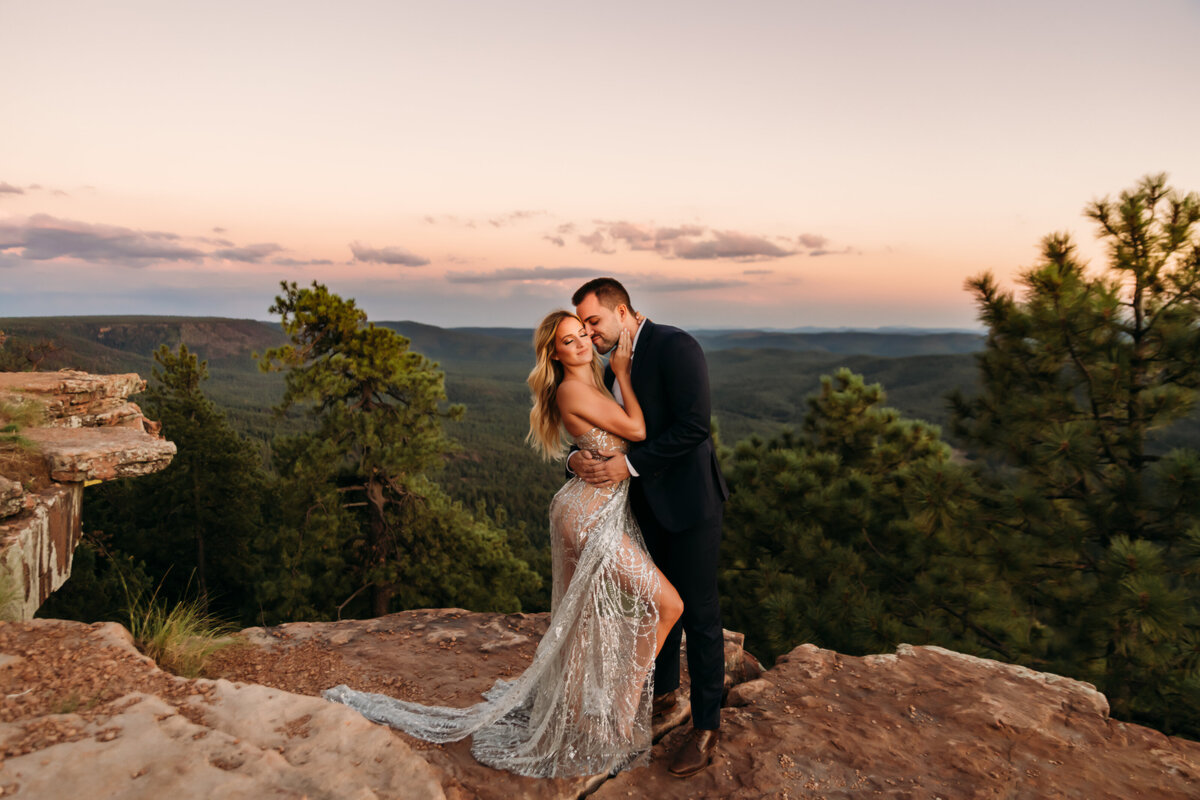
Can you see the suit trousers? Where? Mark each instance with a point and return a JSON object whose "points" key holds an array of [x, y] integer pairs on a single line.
{"points": [[689, 559]]}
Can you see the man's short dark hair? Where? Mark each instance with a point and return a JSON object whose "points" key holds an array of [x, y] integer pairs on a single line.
{"points": [[608, 291]]}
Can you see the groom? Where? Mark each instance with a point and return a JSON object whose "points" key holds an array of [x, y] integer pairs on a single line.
{"points": [[676, 495]]}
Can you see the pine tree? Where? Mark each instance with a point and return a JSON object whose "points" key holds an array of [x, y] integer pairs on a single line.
{"points": [[1082, 377], [196, 528], [857, 536], [364, 515]]}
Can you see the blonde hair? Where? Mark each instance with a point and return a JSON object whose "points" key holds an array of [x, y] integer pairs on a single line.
{"points": [[546, 433]]}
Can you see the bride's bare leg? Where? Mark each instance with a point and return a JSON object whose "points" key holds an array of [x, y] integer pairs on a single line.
{"points": [[637, 573]]}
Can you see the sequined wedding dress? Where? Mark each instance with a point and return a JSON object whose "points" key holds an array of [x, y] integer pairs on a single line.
{"points": [[583, 705]]}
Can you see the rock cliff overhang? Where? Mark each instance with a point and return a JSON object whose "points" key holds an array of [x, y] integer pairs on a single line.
{"points": [[89, 431]]}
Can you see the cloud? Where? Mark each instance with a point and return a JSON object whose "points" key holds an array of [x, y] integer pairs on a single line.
{"points": [[386, 255], [250, 253], [670, 285], [42, 237], [513, 216], [758, 272], [595, 241], [811, 241], [449, 219], [8, 188], [498, 221], [522, 274], [691, 242], [219, 230], [556, 240], [844, 251], [301, 262], [730, 244]]}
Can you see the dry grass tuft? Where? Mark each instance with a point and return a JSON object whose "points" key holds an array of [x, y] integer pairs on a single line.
{"points": [[180, 639]]}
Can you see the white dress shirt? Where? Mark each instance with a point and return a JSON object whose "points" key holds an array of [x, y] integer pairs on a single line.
{"points": [[617, 387]]}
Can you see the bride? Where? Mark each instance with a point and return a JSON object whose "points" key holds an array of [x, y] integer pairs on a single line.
{"points": [[583, 705]]}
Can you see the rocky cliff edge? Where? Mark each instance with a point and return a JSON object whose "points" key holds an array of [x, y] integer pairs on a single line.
{"points": [[84, 714], [86, 431]]}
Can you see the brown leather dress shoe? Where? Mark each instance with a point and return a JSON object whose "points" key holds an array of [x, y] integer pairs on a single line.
{"points": [[664, 702], [695, 753]]}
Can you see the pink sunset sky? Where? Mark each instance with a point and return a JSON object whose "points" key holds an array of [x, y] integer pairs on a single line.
{"points": [[756, 164]]}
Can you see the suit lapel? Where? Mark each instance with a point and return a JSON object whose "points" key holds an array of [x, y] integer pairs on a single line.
{"points": [[642, 354]]}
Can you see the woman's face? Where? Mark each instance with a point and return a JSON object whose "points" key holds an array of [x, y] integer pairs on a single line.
{"points": [[571, 343]]}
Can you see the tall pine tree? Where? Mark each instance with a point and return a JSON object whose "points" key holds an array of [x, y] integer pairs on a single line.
{"points": [[196, 529], [1100, 516], [363, 518]]}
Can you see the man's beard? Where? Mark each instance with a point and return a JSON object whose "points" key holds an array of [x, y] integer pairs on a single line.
{"points": [[604, 346]]}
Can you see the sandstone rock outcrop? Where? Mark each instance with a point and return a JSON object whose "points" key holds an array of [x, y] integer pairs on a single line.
{"points": [[82, 712], [89, 432], [85, 715]]}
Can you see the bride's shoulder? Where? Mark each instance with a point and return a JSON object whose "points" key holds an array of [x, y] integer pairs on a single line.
{"points": [[575, 389], [577, 385]]}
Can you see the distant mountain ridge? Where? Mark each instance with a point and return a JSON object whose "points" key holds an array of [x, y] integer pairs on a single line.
{"points": [[127, 343]]}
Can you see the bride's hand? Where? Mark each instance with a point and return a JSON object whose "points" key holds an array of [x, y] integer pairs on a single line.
{"points": [[622, 354]]}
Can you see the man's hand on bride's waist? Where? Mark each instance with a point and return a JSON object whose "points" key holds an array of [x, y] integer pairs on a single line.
{"points": [[601, 468]]}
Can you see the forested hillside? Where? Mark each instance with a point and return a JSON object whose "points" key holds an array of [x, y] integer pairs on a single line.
{"points": [[759, 382]]}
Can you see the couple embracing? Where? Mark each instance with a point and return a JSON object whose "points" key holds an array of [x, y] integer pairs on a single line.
{"points": [[634, 534]]}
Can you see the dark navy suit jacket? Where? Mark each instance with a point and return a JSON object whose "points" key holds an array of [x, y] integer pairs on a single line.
{"points": [[678, 473]]}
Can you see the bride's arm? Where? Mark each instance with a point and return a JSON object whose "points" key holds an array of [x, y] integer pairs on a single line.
{"points": [[583, 405]]}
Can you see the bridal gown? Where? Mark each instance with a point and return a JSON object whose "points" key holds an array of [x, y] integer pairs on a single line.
{"points": [[583, 705]]}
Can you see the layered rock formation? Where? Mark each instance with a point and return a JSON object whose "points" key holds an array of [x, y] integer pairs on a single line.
{"points": [[89, 432], [84, 715]]}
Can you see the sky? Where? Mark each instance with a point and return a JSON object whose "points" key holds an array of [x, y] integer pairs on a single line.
{"points": [[753, 164]]}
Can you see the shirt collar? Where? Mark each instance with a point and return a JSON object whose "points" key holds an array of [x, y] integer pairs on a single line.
{"points": [[637, 336]]}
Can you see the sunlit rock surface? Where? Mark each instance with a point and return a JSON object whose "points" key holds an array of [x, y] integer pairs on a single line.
{"points": [[84, 715]]}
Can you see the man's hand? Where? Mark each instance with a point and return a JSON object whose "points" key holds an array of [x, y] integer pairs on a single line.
{"points": [[607, 470]]}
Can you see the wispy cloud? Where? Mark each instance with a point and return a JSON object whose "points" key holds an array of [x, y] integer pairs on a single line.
{"points": [[496, 221], [513, 216], [674, 285], [250, 253], [690, 242], [811, 241], [558, 241], [598, 243], [758, 272], [42, 237], [731, 245], [448, 219], [386, 255], [8, 188], [301, 262], [522, 274]]}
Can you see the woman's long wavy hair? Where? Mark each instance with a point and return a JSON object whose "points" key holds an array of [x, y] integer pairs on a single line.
{"points": [[546, 433]]}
